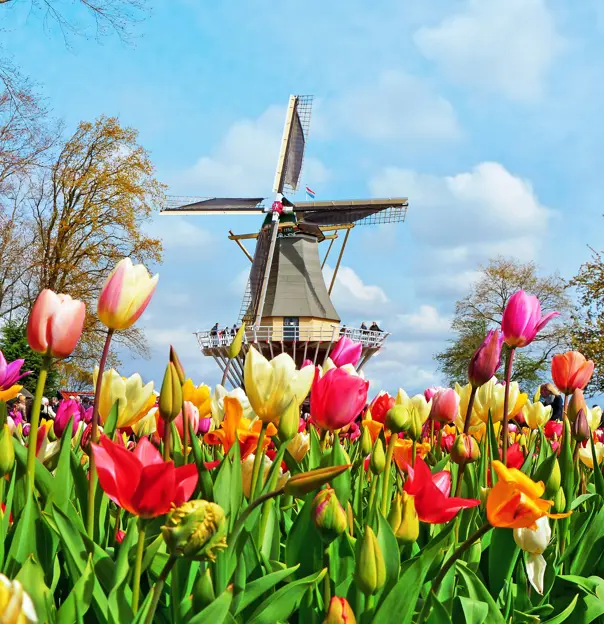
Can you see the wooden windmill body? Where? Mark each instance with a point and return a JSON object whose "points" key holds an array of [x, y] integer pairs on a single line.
{"points": [[287, 305]]}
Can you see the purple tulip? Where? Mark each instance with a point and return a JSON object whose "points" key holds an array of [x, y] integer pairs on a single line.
{"points": [[486, 359], [346, 351], [66, 410], [26, 428], [204, 425], [11, 373], [522, 319]]}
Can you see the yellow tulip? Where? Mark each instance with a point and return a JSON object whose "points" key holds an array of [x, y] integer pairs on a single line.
{"points": [[536, 414], [417, 402], [16, 606], [125, 295], [147, 425], [585, 454], [477, 426], [10, 393], [200, 396], [134, 399], [594, 417], [271, 386]]}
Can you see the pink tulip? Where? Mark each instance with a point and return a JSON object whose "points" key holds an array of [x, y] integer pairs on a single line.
{"points": [[486, 359], [306, 363], [346, 352], [192, 415], [55, 324], [66, 410], [445, 405], [125, 295], [430, 392], [10, 374], [522, 319], [337, 398], [204, 426]]}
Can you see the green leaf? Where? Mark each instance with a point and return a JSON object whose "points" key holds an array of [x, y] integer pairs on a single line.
{"points": [[580, 500], [205, 479], [390, 551], [80, 597], [589, 550], [314, 454], [303, 544], [503, 554], [110, 424], [399, 605], [563, 616], [341, 484], [128, 544], [228, 489], [439, 614], [24, 541], [598, 478], [477, 591], [63, 481], [31, 576], [468, 611], [342, 563], [493, 440], [217, 611], [279, 606], [43, 478], [119, 602]]}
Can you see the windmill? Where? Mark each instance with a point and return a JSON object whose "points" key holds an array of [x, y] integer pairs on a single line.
{"points": [[287, 305]]}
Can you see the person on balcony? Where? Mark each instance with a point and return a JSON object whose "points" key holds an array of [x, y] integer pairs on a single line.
{"points": [[363, 326], [374, 327]]}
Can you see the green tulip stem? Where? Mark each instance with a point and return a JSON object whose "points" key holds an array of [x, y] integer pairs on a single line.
{"points": [[324, 436], [389, 453], [327, 580], [359, 606], [117, 524], [167, 440], [94, 437], [185, 433], [267, 507], [414, 451], [371, 505], [35, 423], [506, 400], [431, 432], [159, 586], [138, 565], [258, 457], [468, 420], [485, 528]]}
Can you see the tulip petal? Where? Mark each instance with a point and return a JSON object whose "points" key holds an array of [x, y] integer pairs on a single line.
{"points": [[156, 490], [186, 481], [146, 453], [65, 326], [535, 571]]}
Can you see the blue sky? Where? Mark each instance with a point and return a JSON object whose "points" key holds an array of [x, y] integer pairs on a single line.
{"points": [[485, 113]]}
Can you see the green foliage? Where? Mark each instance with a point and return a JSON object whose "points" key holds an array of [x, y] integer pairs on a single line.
{"points": [[13, 343]]}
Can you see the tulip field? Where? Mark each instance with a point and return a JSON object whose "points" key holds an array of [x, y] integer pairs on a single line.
{"points": [[192, 505]]}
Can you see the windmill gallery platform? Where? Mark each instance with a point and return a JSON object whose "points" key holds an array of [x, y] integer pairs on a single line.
{"points": [[287, 306]]}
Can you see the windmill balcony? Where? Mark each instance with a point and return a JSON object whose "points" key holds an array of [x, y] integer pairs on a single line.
{"points": [[302, 343]]}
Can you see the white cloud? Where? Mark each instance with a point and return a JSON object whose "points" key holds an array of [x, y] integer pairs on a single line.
{"points": [[425, 323], [243, 163], [398, 106], [469, 217], [505, 46], [351, 294], [179, 232]]}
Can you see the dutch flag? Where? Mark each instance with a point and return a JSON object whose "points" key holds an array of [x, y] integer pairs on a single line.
{"points": [[310, 193]]}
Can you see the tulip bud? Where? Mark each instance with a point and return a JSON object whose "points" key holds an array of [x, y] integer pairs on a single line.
{"points": [[195, 530], [486, 360], [203, 591], [328, 515], [87, 438], [465, 449], [339, 612], [170, 397], [403, 519], [370, 569], [404, 418], [377, 461], [235, 346], [180, 371], [303, 483], [549, 473], [289, 421], [576, 403], [559, 502], [204, 425], [7, 451], [366, 444], [580, 427]]}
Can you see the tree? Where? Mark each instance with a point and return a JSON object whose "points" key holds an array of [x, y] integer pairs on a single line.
{"points": [[88, 210], [14, 346], [588, 329], [483, 308]]}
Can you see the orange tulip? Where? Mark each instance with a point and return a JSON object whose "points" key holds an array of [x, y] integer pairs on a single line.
{"points": [[55, 324], [403, 452], [236, 427], [571, 371], [515, 500]]}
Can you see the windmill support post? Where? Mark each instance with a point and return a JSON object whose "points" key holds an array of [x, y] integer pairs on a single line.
{"points": [[335, 272], [333, 240], [240, 245]]}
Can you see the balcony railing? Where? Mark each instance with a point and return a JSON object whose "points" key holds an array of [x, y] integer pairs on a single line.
{"points": [[268, 334]]}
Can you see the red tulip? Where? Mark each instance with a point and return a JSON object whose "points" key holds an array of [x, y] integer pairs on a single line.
{"points": [[55, 324], [431, 492], [486, 360], [141, 482], [445, 405], [571, 371], [515, 457], [522, 320], [380, 406], [337, 398], [346, 352], [553, 427]]}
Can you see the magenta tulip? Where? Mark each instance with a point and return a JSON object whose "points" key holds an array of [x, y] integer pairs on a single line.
{"points": [[445, 405], [66, 410], [522, 319], [346, 352], [337, 398], [430, 392], [486, 359]]}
